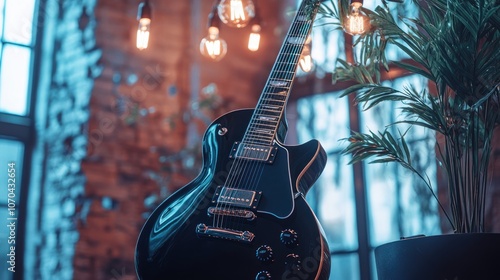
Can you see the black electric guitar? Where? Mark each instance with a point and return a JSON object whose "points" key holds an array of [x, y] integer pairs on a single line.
{"points": [[245, 216]]}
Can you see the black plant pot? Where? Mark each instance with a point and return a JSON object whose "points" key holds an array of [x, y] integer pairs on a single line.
{"points": [[467, 256]]}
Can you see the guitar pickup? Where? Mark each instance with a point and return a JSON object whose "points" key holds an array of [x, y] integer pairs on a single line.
{"points": [[237, 197], [253, 152]]}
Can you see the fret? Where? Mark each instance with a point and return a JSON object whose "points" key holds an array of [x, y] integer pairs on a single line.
{"points": [[258, 142], [278, 83], [296, 40], [300, 29], [274, 99], [278, 113], [264, 125], [296, 53], [285, 74], [269, 112], [302, 18], [272, 108], [257, 138], [262, 131], [288, 67], [267, 139], [266, 122], [289, 56], [267, 118]]}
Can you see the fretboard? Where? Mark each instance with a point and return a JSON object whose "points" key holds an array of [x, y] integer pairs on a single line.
{"points": [[270, 109]]}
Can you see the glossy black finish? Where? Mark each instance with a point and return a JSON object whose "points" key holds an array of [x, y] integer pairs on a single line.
{"points": [[169, 248]]}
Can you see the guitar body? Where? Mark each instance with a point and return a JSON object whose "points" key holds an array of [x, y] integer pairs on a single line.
{"points": [[200, 233]]}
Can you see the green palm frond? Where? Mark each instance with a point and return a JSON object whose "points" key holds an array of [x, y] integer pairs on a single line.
{"points": [[455, 45], [382, 146]]}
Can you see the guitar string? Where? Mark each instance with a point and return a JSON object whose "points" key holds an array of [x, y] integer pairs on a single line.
{"points": [[256, 122], [256, 168], [253, 168]]}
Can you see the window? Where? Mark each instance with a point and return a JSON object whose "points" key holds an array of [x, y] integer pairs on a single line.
{"points": [[16, 47], [365, 205], [17, 60]]}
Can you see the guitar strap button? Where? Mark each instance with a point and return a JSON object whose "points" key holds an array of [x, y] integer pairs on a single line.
{"points": [[222, 131]]}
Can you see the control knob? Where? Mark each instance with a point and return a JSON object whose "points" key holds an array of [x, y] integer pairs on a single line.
{"points": [[292, 262], [289, 237], [264, 253], [263, 275]]}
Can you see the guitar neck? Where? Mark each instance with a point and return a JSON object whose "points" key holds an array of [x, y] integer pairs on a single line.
{"points": [[270, 109]]}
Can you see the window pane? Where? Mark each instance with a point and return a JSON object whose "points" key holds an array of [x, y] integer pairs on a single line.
{"points": [[399, 203], [326, 118], [324, 37], [333, 200], [345, 267], [14, 79], [2, 5], [19, 21]]}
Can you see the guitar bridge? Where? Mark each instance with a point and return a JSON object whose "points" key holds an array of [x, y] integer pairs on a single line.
{"points": [[236, 235]]}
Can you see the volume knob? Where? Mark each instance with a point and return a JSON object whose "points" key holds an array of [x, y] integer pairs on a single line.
{"points": [[263, 275], [292, 262], [289, 237], [264, 253]]}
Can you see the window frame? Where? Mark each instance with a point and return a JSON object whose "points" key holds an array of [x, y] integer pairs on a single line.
{"points": [[308, 85], [21, 128]]}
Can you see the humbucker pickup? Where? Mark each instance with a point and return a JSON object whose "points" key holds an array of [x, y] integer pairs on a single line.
{"points": [[237, 197], [253, 152]]}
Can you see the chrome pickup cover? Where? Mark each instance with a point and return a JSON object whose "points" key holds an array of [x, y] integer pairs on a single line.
{"points": [[253, 152], [237, 197]]}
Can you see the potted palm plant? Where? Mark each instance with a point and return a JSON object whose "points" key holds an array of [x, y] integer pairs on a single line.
{"points": [[455, 45]]}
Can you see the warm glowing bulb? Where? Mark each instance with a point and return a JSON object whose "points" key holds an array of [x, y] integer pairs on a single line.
{"points": [[143, 33], [212, 46], [306, 63], [355, 23], [236, 13], [254, 39]]}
